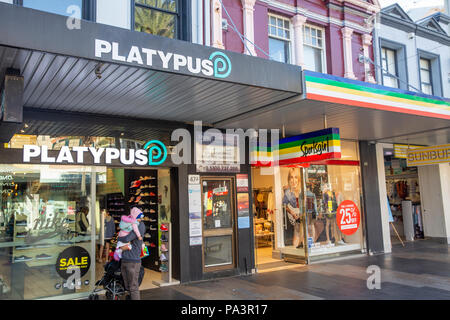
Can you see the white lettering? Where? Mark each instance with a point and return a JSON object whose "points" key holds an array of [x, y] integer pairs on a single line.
{"points": [[80, 151], [97, 154], [115, 52], [135, 55], [64, 155], [111, 154], [30, 152], [198, 65], [102, 46], [207, 66], [149, 53], [123, 154], [45, 157], [165, 58], [141, 157], [179, 61]]}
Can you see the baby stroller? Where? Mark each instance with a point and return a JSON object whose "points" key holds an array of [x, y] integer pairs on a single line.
{"points": [[112, 282]]}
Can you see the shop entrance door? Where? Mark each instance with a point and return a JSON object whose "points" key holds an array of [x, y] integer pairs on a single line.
{"points": [[218, 220]]}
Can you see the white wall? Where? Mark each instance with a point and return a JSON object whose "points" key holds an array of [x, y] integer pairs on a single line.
{"points": [[114, 12], [435, 195]]}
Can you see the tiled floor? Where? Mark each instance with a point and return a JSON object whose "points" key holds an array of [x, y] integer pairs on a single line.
{"points": [[420, 270]]}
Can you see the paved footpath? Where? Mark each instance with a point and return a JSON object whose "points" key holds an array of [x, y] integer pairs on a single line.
{"points": [[421, 270]]}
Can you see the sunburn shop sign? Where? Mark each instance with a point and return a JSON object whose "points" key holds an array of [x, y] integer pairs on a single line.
{"points": [[154, 153]]}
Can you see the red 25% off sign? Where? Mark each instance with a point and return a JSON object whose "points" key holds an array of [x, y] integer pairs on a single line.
{"points": [[348, 217]]}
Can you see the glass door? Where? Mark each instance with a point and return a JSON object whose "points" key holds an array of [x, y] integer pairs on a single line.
{"points": [[218, 219]]}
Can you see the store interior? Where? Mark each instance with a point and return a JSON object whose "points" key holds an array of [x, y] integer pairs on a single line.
{"points": [[403, 192]]}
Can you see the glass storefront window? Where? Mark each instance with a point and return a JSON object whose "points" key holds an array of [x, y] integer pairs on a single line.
{"points": [[218, 215], [45, 230], [156, 17]]}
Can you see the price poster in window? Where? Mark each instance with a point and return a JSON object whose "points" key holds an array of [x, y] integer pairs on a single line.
{"points": [[348, 217]]}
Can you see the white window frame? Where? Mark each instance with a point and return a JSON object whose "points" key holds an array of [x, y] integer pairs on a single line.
{"points": [[290, 30], [429, 70], [324, 47]]}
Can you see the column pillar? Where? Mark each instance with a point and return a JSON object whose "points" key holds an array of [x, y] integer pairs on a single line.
{"points": [[248, 8], [216, 24], [367, 42], [297, 22], [347, 45]]}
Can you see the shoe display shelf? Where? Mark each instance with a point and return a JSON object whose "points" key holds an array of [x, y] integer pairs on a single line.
{"points": [[142, 192], [165, 257], [115, 204]]}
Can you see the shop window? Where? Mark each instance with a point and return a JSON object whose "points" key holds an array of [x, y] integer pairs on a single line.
{"points": [[279, 39], [313, 48], [158, 17], [45, 211], [388, 62]]}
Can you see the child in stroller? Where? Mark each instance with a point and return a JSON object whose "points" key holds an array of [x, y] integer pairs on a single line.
{"points": [[112, 282]]}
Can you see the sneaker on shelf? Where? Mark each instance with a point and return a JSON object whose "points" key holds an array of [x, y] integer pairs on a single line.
{"points": [[147, 244], [146, 219], [150, 186], [152, 194], [152, 228], [152, 245], [25, 247], [131, 199], [152, 211], [65, 243], [21, 234], [163, 238], [138, 199], [164, 227], [44, 245], [152, 203], [147, 235], [163, 257], [141, 178], [152, 220], [164, 248], [163, 268], [43, 256], [152, 178], [141, 203], [136, 184], [138, 191], [146, 211], [22, 259]]}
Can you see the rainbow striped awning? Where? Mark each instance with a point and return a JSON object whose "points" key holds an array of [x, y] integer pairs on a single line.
{"points": [[328, 88], [304, 148]]}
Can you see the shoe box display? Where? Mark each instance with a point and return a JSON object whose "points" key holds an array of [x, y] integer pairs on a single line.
{"points": [[164, 257], [115, 204], [141, 191]]}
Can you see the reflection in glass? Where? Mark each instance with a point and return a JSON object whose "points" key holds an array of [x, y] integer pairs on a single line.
{"points": [[155, 22], [56, 6], [217, 204], [218, 251], [43, 211]]}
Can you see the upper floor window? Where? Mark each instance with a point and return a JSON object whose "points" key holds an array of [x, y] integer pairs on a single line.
{"points": [[388, 62], [73, 8], [279, 39], [425, 76], [313, 48], [158, 17]]}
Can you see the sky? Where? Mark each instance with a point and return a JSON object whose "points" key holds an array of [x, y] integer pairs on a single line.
{"points": [[410, 4]]}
